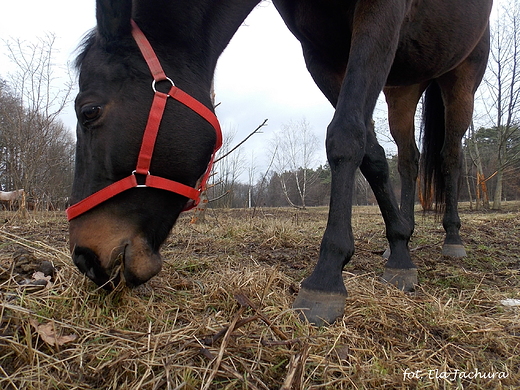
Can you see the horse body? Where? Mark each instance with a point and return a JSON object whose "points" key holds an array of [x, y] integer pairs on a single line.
{"points": [[9, 197], [352, 50], [406, 46]]}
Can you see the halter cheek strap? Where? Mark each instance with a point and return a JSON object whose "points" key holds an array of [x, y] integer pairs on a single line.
{"points": [[150, 135]]}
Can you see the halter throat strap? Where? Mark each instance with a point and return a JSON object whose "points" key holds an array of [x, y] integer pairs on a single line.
{"points": [[148, 143]]}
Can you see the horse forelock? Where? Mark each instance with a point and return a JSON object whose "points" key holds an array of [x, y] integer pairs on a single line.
{"points": [[93, 41], [84, 47], [120, 60]]}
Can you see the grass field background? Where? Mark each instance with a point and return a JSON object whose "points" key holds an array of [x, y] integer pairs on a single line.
{"points": [[219, 316]]}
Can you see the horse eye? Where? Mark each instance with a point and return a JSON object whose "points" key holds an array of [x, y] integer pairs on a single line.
{"points": [[90, 113]]}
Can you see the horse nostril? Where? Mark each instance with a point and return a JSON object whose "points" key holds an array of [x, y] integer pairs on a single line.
{"points": [[88, 263]]}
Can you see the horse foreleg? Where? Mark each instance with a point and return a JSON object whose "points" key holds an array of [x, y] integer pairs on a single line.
{"points": [[457, 121], [372, 50], [322, 295], [402, 103]]}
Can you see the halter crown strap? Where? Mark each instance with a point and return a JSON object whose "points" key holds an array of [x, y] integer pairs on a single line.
{"points": [[148, 53], [150, 135]]}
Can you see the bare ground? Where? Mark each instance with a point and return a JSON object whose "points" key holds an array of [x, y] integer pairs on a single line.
{"points": [[218, 316]]}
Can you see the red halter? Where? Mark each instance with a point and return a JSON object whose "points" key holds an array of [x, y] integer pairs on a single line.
{"points": [[149, 137]]}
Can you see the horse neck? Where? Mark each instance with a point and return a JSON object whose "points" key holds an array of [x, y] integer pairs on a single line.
{"points": [[204, 27]]}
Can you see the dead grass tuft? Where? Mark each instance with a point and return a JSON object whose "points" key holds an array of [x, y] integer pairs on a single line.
{"points": [[218, 316]]}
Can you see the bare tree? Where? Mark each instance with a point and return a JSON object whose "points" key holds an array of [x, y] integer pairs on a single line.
{"points": [[295, 147], [37, 150], [481, 192], [35, 82], [502, 83], [228, 166]]}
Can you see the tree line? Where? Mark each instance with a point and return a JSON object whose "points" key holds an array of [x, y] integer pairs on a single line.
{"points": [[36, 154], [483, 185], [36, 150], [283, 189]]}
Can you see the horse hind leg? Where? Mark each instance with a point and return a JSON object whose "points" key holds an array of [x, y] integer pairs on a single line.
{"points": [[402, 103], [458, 91], [400, 271]]}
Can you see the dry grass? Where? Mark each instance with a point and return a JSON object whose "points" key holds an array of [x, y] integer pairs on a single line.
{"points": [[218, 317]]}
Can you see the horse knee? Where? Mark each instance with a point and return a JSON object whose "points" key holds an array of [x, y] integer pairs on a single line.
{"points": [[345, 142], [375, 165]]}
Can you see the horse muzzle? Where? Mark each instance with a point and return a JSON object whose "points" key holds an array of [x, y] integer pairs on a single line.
{"points": [[109, 251]]}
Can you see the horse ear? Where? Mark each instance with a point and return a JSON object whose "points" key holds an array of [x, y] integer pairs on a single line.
{"points": [[113, 18]]}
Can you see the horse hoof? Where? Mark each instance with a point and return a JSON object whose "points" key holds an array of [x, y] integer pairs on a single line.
{"points": [[319, 307], [403, 279], [453, 250], [386, 254]]}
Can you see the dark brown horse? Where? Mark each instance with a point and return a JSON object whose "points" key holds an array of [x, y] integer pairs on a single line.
{"points": [[353, 50]]}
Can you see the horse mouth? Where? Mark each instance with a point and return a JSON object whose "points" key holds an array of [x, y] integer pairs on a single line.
{"points": [[131, 263]]}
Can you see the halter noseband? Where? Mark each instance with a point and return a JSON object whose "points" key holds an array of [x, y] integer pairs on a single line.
{"points": [[149, 137]]}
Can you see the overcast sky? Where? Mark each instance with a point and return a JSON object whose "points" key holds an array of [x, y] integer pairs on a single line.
{"points": [[261, 75]]}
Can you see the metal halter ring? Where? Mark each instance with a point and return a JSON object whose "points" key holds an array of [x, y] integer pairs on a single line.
{"points": [[134, 172], [165, 79]]}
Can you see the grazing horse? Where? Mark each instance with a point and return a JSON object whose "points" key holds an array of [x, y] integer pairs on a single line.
{"points": [[9, 197], [143, 154]]}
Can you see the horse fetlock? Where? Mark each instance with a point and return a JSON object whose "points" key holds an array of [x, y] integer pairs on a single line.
{"points": [[398, 256], [319, 307]]}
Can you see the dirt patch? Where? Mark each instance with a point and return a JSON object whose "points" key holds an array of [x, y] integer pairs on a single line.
{"points": [[218, 315]]}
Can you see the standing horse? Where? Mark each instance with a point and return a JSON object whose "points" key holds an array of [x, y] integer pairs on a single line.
{"points": [[138, 167]]}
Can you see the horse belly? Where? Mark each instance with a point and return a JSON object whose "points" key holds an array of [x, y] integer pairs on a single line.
{"points": [[412, 70]]}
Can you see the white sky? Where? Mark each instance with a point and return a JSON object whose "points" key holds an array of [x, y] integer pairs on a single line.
{"points": [[260, 75]]}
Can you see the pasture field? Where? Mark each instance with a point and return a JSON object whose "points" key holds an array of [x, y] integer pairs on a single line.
{"points": [[218, 315]]}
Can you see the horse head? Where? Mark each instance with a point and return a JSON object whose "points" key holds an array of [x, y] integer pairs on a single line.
{"points": [[119, 236]]}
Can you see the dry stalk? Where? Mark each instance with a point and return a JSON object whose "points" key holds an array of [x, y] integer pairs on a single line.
{"points": [[245, 301], [218, 360], [296, 370]]}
